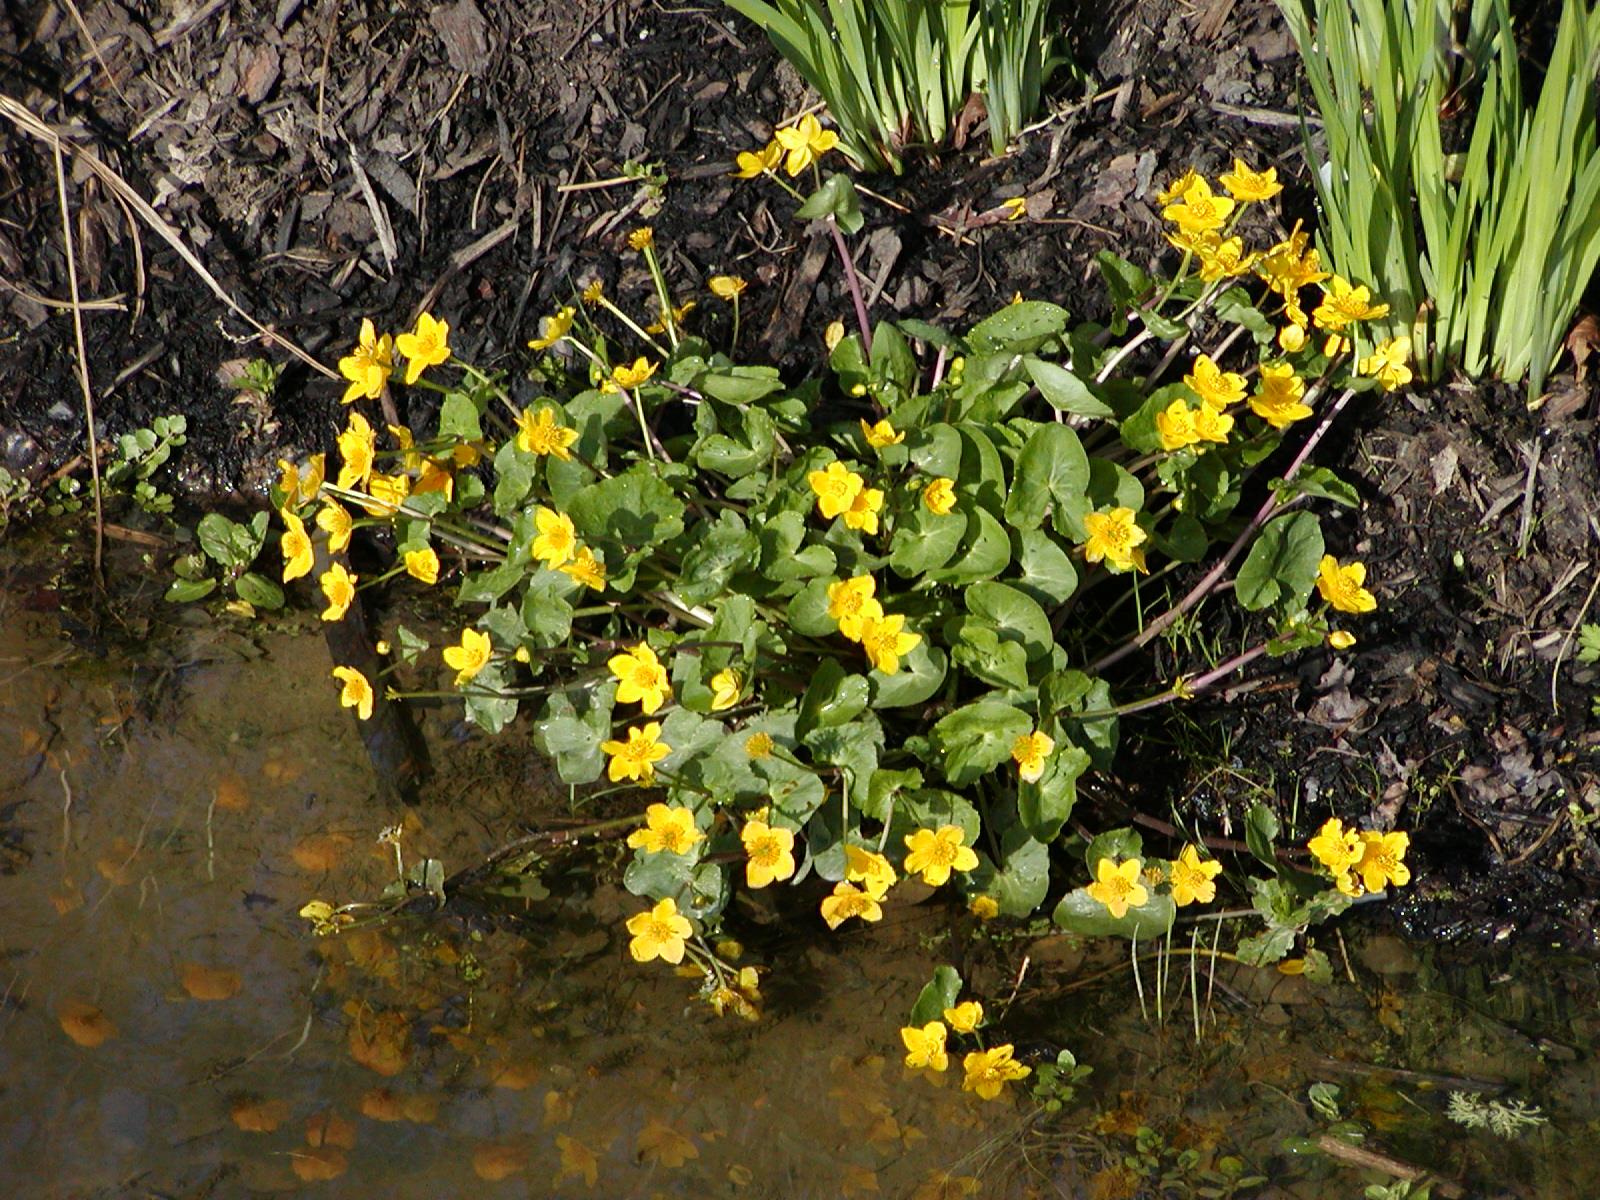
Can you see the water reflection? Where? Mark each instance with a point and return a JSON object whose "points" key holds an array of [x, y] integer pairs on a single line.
{"points": [[170, 1025]]}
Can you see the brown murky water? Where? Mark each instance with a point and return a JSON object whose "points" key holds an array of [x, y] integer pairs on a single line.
{"points": [[170, 1027]]}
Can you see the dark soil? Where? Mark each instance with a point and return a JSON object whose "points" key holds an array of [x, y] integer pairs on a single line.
{"points": [[332, 161]]}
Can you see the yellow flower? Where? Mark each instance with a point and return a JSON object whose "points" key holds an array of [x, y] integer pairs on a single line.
{"points": [[1341, 639], [849, 901], [836, 488], [940, 496], [1342, 586], [832, 335], [296, 547], [937, 852], [725, 688], [642, 238], [759, 745], [1118, 886], [988, 1071], [882, 434], [388, 493], [679, 312], [770, 853], [1292, 338], [1175, 190], [357, 444], [659, 933], [1388, 363], [298, 489], [1030, 752], [339, 586], [636, 758], [641, 677], [594, 291], [1277, 399], [965, 1017], [1198, 210], [1218, 388], [1115, 537], [871, 869], [435, 479], [1193, 879], [806, 141], [557, 541], [1016, 208], [1224, 260], [985, 908], [1247, 185], [423, 564], [586, 569], [554, 328], [426, 346], [1212, 425], [925, 1047], [667, 829], [367, 368], [759, 163], [1175, 425], [1199, 242], [885, 643], [727, 287], [356, 693], [1342, 304], [1382, 860], [1336, 847], [1289, 266], [864, 509], [333, 518], [624, 377], [470, 657]]}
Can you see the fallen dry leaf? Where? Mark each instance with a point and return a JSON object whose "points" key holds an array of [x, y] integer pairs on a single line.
{"points": [[330, 1129], [319, 1163], [497, 1161], [85, 1023], [514, 1076], [380, 1104], [209, 983], [320, 852], [381, 1043], [254, 1115], [230, 794]]}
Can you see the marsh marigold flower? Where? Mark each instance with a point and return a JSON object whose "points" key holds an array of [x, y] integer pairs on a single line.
{"points": [[659, 933], [1341, 586], [1387, 363], [882, 434], [925, 1047], [1199, 210], [542, 434], [1341, 639], [985, 908], [1175, 190], [423, 564], [356, 692], [1224, 260], [470, 657], [965, 1017], [1292, 338], [864, 509], [939, 497], [428, 345], [368, 366], [1336, 847], [586, 569], [636, 758], [806, 141], [1382, 860], [1114, 536], [886, 643], [640, 677], [759, 162], [836, 488], [339, 586], [300, 489], [624, 377], [357, 446], [1246, 185], [296, 546], [937, 852], [388, 493], [1118, 886], [1031, 752], [1193, 878], [870, 869], [1211, 425], [759, 745], [988, 1071], [850, 603], [554, 329], [1278, 398], [849, 901], [1175, 426], [668, 828], [557, 540], [1218, 388], [727, 287], [336, 522], [725, 689], [1343, 303], [769, 853]]}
